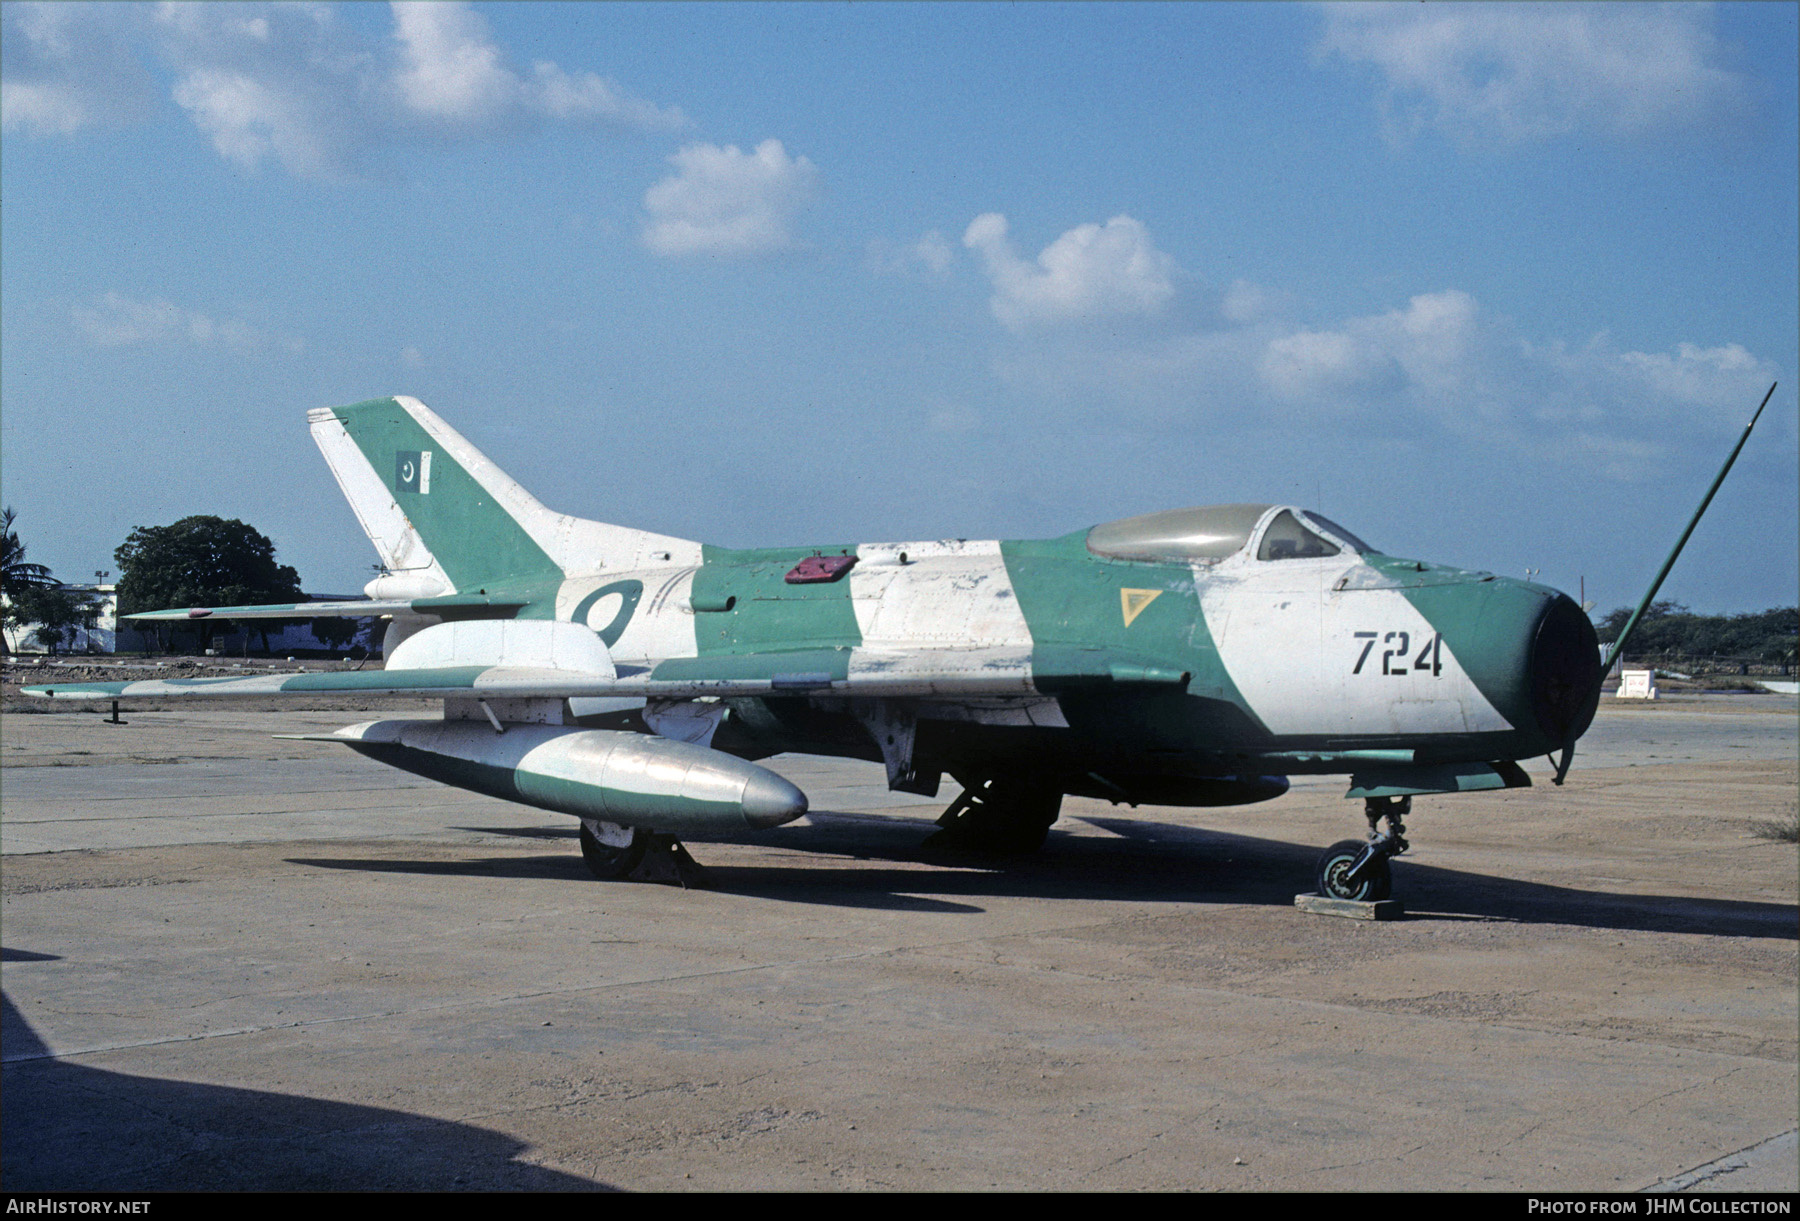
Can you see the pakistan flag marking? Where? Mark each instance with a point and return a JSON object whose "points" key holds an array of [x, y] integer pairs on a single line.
{"points": [[1133, 601], [412, 471]]}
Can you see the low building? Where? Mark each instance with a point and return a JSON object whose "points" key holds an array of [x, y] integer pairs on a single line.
{"points": [[103, 633], [95, 634]]}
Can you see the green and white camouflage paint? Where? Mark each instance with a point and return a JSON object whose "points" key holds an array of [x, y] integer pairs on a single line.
{"points": [[1191, 657]]}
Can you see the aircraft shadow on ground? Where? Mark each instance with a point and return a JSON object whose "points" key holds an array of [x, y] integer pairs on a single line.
{"points": [[1435, 892], [568, 832], [802, 885], [67, 1127], [1148, 862], [8, 954]]}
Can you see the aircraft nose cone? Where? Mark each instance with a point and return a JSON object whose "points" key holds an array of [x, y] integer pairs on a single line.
{"points": [[770, 801], [1565, 671]]}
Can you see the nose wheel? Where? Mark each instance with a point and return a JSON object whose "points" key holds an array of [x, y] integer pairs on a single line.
{"points": [[1358, 869]]}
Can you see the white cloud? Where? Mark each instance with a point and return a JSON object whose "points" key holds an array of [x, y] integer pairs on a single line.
{"points": [[1092, 271], [1708, 377], [1443, 357], [248, 119], [558, 95], [1246, 302], [1526, 72], [932, 254], [44, 108], [451, 71], [1310, 363], [68, 66], [1426, 345], [1439, 366], [114, 320], [286, 83], [723, 201], [449, 67], [293, 83]]}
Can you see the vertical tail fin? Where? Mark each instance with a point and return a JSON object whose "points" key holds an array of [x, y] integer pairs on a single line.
{"points": [[444, 519]]}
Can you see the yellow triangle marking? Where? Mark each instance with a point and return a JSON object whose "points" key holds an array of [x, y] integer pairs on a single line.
{"points": [[1133, 601]]}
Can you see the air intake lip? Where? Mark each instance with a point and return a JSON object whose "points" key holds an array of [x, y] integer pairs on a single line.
{"points": [[1565, 671]]}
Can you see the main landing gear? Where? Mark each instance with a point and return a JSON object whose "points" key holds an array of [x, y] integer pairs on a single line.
{"points": [[998, 816], [1358, 869], [614, 853]]}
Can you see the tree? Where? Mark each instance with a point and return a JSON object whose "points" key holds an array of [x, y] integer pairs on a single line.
{"points": [[201, 561], [1671, 628], [17, 575], [335, 633], [57, 612], [1614, 623]]}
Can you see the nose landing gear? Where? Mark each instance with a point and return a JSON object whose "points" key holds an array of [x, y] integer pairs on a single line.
{"points": [[1358, 869]]}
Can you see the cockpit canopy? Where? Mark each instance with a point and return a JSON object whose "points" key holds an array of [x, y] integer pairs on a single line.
{"points": [[1213, 532]]}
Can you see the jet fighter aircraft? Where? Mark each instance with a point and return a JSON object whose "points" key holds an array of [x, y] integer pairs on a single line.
{"points": [[1194, 657]]}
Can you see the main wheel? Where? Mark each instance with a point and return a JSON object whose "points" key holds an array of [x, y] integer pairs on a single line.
{"points": [[1376, 883], [611, 851]]}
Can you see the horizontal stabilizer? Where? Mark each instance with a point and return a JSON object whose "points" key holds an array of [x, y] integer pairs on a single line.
{"points": [[450, 681]]}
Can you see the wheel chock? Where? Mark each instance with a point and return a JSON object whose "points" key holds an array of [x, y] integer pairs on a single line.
{"points": [[1351, 909], [666, 861]]}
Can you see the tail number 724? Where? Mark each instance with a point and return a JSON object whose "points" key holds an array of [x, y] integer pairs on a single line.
{"points": [[1429, 658]]}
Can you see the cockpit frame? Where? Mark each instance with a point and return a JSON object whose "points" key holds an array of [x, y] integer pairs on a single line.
{"points": [[1210, 534]]}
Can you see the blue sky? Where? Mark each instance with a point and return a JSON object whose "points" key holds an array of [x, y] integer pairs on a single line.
{"points": [[1491, 285]]}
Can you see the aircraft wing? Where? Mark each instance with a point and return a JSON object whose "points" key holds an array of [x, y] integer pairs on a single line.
{"points": [[850, 672], [460, 605]]}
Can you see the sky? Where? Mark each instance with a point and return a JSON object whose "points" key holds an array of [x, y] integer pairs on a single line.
{"points": [[1495, 286]]}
